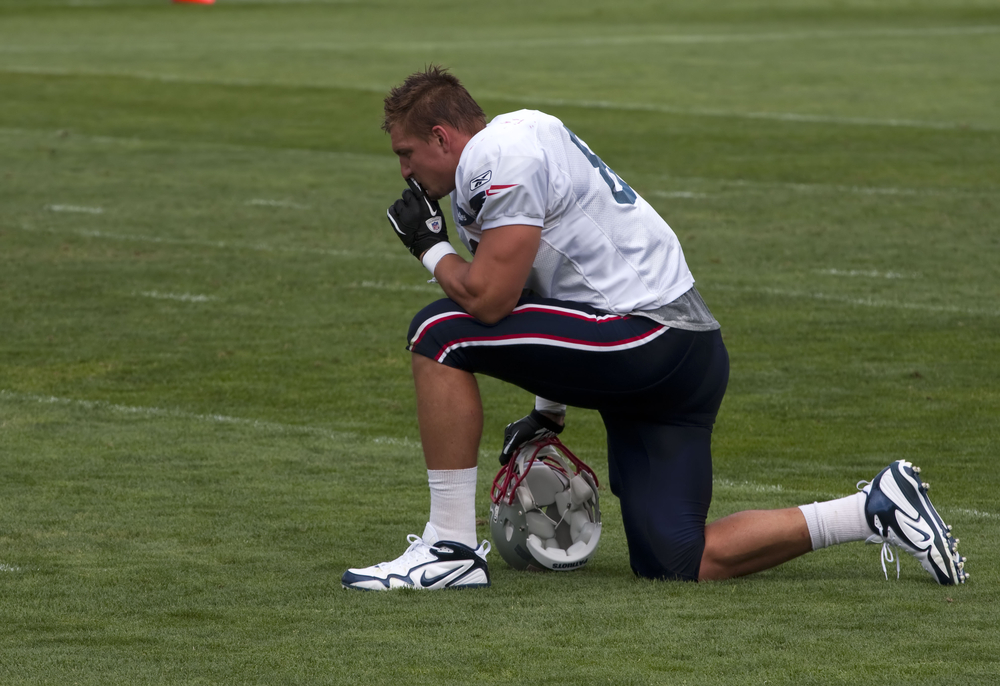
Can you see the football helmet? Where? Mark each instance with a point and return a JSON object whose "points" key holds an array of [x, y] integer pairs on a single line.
{"points": [[545, 511]]}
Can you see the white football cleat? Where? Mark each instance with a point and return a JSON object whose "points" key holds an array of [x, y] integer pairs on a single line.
{"points": [[899, 513], [424, 565]]}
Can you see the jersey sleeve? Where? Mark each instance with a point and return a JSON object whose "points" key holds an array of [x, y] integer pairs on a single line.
{"points": [[517, 194], [503, 179]]}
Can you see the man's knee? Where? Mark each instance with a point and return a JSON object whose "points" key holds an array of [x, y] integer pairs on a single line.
{"points": [[677, 554], [431, 313]]}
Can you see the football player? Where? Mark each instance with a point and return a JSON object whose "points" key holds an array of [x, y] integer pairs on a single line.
{"points": [[578, 291]]}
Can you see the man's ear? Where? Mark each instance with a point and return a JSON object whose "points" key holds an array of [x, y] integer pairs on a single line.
{"points": [[442, 137]]}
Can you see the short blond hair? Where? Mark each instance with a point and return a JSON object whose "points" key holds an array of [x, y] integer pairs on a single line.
{"points": [[429, 98]]}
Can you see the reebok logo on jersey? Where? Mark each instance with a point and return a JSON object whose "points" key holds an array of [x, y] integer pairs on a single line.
{"points": [[481, 180], [493, 190]]}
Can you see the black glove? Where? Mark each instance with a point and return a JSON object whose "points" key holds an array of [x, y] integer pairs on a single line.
{"points": [[534, 427], [417, 220]]}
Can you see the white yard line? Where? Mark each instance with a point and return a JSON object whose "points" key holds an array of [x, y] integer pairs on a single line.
{"points": [[101, 405], [182, 297], [976, 514], [677, 194], [382, 286], [747, 486], [277, 203], [868, 273], [78, 209], [527, 99], [220, 245]]}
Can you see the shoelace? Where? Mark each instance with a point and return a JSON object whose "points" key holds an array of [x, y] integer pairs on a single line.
{"points": [[416, 542], [887, 555]]}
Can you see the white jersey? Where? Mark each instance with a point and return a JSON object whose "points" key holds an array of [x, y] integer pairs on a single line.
{"points": [[602, 244]]}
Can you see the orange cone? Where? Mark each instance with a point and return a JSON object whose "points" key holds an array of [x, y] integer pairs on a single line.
{"points": [[195, 2]]}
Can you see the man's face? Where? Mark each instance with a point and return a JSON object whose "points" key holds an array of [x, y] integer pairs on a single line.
{"points": [[428, 161]]}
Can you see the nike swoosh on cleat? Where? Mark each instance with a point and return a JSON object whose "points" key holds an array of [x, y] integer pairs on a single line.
{"points": [[428, 582], [910, 527]]}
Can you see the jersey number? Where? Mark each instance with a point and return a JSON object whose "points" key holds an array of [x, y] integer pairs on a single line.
{"points": [[621, 191]]}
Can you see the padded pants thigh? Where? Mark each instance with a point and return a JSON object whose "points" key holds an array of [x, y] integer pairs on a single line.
{"points": [[662, 474]]}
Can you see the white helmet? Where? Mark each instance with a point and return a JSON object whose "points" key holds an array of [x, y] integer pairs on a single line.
{"points": [[545, 512]]}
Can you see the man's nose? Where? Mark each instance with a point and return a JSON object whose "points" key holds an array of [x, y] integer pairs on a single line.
{"points": [[404, 169]]}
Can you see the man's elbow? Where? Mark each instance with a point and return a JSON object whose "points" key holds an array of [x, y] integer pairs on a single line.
{"points": [[490, 316], [491, 312]]}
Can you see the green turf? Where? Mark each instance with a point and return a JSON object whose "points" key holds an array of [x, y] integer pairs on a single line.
{"points": [[206, 413]]}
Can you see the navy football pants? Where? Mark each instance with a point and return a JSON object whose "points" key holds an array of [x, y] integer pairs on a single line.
{"points": [[658, 390]]}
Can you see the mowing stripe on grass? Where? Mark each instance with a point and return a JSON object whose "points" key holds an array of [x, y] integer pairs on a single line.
{"points": [[862, 302], [103, 405], [794, 117], [377, 285], [544, 42], [337, 436], [118, 5], [531, 100], [391, 159], [558, 41], [715, 38], [352, 437], [221, 245], [387, 158], [769, 186]]}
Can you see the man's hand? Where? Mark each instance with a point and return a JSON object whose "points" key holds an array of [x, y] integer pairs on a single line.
{"points": [[534, 427], [417, 220]]}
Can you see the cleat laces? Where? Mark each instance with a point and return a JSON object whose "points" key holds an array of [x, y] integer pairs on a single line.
{"points": [[887, 555], [417, 550]]}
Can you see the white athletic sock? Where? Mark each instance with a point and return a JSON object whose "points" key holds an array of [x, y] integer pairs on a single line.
{"points": [[837, 521], [453, 504]]}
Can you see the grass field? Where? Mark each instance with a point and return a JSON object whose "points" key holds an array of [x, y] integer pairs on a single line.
{"points": [[206, 413]]}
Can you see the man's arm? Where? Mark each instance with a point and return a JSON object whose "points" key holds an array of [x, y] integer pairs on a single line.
{"points": [[488, 287]]}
